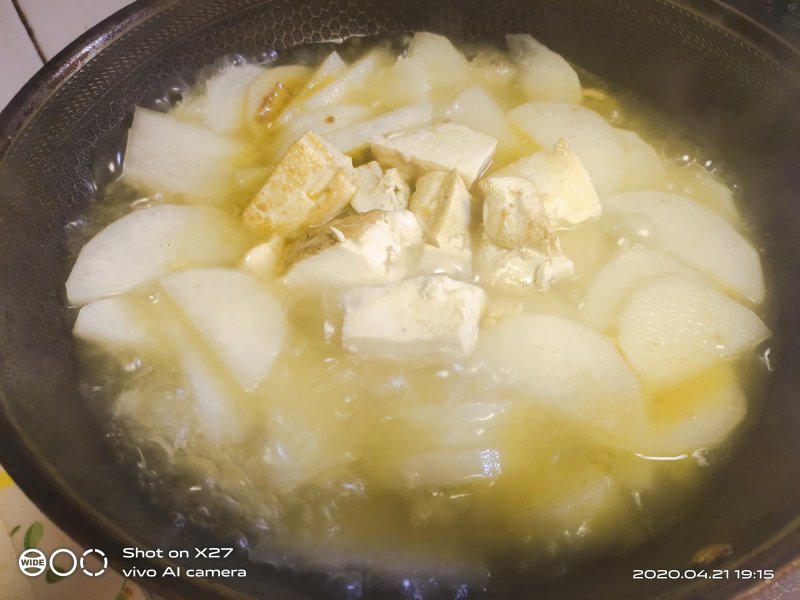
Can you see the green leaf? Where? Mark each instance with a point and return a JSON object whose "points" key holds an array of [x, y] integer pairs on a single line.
{"points": [[121, 594], [33, 535], [51, 577], [13, 531]]}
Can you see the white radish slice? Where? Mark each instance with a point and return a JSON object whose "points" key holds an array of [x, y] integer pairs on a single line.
{"points": [[452, 467], [113, 321], [217, 401], [405, 82], [470, 424], [226, 97], [619, 278], [447, 68], [700, 413], [238, 316], [694, 234], [674, 327], [586, 133], [329, 69], [354, 77], [170, 156], [477, 109], [356, 136], [543, 74], [700, 185], [147, 243], [571, 369], [292, 77], [642, 168]]}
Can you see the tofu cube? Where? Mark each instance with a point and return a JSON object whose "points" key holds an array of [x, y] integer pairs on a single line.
{"points": [[518, 268], [514, 216], [427, 318], [433, 260], [441, 203], [379, 190], [361, 249], [443, 147], [310, 186], [562, 184]]}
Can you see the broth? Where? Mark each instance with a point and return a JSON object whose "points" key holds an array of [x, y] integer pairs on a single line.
{"points": [[428, 472]]}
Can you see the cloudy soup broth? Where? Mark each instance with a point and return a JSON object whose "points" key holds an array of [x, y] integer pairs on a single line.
{"points": [[418, 307]]}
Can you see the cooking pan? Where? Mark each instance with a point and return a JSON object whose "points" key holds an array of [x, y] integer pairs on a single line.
{"points": [[730, 84]]}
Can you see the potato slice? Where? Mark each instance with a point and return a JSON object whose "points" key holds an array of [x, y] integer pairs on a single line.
{"points": [[543, 74], [569, 368], [147, 243], [674, 327], [619, 278], [169, 156], [585, 132], [238, 316], [694, 234], [700, 413], [112, 321]]}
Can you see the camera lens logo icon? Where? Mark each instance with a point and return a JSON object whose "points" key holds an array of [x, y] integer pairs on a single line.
{"points": [[32, 562]]}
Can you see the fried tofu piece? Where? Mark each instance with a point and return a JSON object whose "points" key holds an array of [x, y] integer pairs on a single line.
{"points": [[379, 190], [360, 249], [441, 203], [310, 186], [425, 318], [562, 184]]}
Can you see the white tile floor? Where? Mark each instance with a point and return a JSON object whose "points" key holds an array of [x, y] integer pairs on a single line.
{"points": [[53, 24]]}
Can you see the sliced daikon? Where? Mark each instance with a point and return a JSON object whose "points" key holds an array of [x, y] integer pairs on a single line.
{"points": [[355, 137], [147, 243], [700, 413], [694, 234], [446, 66], [585, 132], [264, 101], [238, 316], [169, 156], [619, 278], [115, 321], [321, 121], [643, 168], [328, 70], [543, 74], [462, 425], [477, 109], [356, 76], [226, 97], [217, 401], [405, 82], [674, 327], [700, 185], [569, 368]]}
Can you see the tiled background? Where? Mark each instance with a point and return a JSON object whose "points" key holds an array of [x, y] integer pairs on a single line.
{"points": [[33, 31]]}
